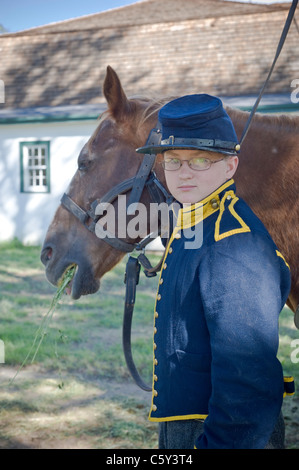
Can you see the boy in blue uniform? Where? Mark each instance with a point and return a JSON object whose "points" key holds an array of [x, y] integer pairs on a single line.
{"points": [[217, 382]]}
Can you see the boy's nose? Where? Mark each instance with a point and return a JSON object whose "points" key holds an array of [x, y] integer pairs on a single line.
{"points": [[185, 170]]}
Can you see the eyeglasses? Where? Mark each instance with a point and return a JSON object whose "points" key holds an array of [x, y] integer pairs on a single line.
{"points": [[197, 163]]}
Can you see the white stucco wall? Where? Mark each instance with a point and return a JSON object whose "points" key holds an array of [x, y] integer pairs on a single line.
{"points": [[27, 215]]}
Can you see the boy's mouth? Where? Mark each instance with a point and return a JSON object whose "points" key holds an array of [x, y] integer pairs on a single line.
{"points": [[186, 187]]}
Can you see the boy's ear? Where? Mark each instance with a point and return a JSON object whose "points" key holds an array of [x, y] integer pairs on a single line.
{"points": [[231, 166]]}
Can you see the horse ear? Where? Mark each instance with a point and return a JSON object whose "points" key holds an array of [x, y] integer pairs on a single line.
{"points": [[116, 98]]}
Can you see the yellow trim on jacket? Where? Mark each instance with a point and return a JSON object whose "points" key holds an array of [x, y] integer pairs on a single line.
{"points": [[177, 418], [185, 218], [281, 256], [229, 196]]}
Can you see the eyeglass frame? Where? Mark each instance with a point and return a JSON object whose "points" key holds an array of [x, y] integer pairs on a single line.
{"points": [[181, 163]]}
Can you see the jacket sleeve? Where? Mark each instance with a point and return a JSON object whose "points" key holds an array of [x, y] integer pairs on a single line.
{"points": [[243, 285]]}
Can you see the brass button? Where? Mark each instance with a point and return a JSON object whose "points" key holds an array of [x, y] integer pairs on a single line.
{"points": [[170, 250], [154, 408], [229, 197], [164, 265], [155, 330], [161, 281], [178, 236], [156, 362], [155, 346], [214, 203], [155, 378], [159, 297], [156, 314], [155, 393]]}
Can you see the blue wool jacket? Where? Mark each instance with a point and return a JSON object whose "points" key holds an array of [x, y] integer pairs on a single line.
{"points": [[216, 324]]}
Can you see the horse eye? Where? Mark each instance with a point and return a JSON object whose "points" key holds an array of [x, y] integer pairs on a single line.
{"points": [[83, 165]]}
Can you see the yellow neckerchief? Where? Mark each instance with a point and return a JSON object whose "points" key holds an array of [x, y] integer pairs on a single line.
{"points": [[192, 214]]}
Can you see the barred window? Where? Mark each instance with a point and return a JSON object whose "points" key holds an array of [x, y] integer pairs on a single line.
{"points": [[35, 167]]}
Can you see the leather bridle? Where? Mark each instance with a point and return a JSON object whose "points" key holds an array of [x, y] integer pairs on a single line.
{"points": [[145, 178]]}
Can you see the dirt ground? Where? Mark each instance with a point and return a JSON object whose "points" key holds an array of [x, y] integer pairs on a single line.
{"points": [[38, 413]]}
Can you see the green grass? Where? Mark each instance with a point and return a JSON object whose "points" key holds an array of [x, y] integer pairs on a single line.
{"points": [[80, 332], [80, 363], [78, 392]]}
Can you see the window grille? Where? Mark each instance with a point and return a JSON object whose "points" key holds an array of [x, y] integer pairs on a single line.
{"points": [[35, 167]]}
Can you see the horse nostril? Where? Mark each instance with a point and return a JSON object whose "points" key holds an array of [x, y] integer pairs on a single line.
{"points": [[46, 254]]}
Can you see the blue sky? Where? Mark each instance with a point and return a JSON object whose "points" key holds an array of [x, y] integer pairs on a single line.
{"points": [[16, 15]]}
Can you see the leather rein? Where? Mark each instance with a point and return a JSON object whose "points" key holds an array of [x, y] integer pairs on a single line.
{"points": [[144, 179]]}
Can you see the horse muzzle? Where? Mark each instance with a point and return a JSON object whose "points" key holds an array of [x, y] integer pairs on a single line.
{"points": [[83, 282]]}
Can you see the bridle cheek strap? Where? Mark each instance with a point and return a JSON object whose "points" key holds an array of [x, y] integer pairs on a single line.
{"points": [[145, 177]]}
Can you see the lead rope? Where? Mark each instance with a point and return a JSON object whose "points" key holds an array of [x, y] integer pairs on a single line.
{"points": [[131, 280], [278, 51]]}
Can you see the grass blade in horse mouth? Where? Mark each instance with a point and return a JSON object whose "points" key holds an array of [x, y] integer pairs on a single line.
{"points": [[62, 284], [64, 281]]}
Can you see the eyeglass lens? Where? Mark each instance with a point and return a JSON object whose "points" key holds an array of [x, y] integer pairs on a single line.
{"points": [[198, 163]]}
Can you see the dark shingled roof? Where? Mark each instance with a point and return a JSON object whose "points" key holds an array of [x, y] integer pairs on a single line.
{"points": [[158, 48]]}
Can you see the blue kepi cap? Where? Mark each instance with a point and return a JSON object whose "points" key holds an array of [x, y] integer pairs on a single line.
{"points": [[194, 122]]}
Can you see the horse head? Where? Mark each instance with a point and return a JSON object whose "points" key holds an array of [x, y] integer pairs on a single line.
{"points": [[108, 158]]}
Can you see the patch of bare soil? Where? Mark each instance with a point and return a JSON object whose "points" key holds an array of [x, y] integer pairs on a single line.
{"points": [[37, 413]]}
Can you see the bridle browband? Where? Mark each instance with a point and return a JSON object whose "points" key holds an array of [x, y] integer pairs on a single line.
{"points": [[145, 178]]}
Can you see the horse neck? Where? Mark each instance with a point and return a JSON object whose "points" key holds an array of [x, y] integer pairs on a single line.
{"points": [[268, 173], [267, 156]]}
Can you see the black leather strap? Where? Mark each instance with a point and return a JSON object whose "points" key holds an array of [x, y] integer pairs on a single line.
{"points": [[74, 209], [131, 280], [144, 171], [139, 182], [207, 143]]}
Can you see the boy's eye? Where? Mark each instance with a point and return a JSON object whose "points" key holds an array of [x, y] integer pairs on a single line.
{"points": [[172, 161], [198, 161]]}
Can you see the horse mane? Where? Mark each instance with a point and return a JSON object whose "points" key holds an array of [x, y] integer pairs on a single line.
{"points": [[277, 122], [151, 106], [274, 122]]}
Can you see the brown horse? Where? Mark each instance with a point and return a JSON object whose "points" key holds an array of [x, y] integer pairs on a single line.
{"points": [[267, 178]]}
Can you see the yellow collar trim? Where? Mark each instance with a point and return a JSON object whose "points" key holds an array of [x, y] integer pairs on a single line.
{"points": [[191, 215], [229, 196]]}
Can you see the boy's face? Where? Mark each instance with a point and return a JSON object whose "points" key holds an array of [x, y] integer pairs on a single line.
{"points": [[190, 186]]}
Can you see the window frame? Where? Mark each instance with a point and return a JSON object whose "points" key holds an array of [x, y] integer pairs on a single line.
{"points": [[24, 188]]}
